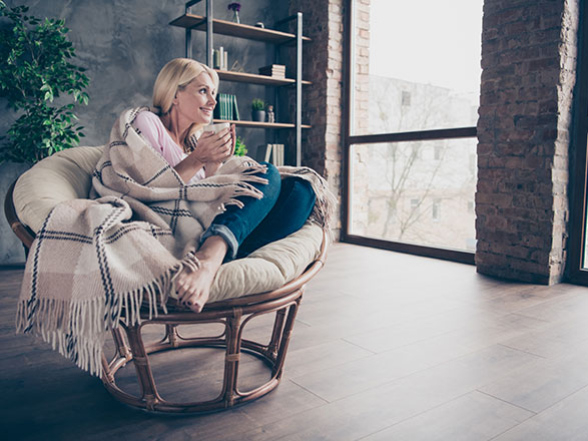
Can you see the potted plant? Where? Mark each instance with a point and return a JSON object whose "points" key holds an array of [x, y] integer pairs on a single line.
{"points": [[36, 72], [257, 110], [240, 148]]}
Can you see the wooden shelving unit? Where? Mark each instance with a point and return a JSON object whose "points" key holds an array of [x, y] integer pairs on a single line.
{"points": [[243, 77], [223, 27], [211, 26], [261, 125]]}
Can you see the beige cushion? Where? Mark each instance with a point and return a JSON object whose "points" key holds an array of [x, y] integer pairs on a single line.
{"points": [[63, 176], [269, 267], [67, 175]]}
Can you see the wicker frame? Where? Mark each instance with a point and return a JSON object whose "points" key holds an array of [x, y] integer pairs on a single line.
{"points": [[234, 314]]}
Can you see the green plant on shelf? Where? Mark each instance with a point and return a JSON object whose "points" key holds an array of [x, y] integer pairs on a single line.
{"points": [[257, 104]]}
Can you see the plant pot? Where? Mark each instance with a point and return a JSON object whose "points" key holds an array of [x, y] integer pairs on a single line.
{"points": [[258, 115]]}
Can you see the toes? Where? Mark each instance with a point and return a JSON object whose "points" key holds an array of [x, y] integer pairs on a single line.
{"points": [[192, 301], [192, 289], [193, 304]]}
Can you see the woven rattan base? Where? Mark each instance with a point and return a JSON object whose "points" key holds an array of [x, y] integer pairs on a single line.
{"points": [[131, 350]]}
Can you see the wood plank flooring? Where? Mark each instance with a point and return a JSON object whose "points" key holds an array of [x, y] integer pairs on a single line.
{"points": [[386, 346]]}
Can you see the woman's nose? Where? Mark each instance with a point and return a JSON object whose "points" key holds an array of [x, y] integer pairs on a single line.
{"points": [[212, 100]]}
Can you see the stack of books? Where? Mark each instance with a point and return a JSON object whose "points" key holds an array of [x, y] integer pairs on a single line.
{"points": [[220, 59], [273, 70], [275, 152], [226, 107]]}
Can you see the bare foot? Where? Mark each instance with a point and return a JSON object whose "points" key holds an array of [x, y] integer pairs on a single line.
{"points": [[193, 287]]}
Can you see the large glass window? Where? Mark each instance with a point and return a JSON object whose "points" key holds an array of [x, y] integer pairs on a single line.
{"points": [[418, 192], [417, 65], [413, 98]]}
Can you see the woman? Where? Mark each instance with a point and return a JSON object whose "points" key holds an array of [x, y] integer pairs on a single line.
{"points": [[184, 97]]}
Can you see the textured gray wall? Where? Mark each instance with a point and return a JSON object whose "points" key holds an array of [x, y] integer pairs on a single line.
{"points": [[123, 44]]}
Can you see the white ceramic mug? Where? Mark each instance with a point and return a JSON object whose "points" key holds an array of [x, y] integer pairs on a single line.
{"points": [[216, 127]]}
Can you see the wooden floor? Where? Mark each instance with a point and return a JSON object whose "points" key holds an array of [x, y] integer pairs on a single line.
{"points": [[386, 347]]}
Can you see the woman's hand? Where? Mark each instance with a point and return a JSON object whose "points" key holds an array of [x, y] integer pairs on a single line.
{"points": [[211, 167], [214, 147], [210, 152]]}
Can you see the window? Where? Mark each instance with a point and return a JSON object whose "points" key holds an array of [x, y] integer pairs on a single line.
{"points": [[413, 90], [405, 98], [436, 209], [438, 152], [398, 195], [577, 264]]}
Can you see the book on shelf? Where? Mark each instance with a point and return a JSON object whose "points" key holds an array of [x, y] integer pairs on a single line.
{"points": [[219, 110], [226, 107], [274, 153], [220, 58], [235, 108], [273, 70]]}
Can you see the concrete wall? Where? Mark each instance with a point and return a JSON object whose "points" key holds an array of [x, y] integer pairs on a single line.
{"points": [[124, 44]]}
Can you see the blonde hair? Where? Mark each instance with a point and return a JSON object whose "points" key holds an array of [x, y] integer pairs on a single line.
{"points": [[175, 76]]}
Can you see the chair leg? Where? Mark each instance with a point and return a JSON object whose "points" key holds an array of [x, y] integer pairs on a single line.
{"points": [[171, 335], [107, 376], [273, 346], [287, 333], [121, 345], [232, 356], [149, 392]]}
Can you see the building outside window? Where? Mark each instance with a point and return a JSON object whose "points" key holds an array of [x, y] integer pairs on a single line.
{"points": [[413, 110]]}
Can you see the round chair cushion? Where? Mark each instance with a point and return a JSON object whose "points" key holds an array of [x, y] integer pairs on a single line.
{"points": [[67, 175]]}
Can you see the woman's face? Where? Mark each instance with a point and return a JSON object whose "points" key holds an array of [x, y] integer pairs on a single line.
{"points": [[197, 101]]}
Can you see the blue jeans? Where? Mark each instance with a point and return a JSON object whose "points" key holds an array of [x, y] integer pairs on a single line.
{"points": [[283, 209]]}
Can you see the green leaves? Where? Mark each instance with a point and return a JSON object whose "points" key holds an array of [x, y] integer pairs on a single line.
{"points": [[240, 148], [37, 79]]}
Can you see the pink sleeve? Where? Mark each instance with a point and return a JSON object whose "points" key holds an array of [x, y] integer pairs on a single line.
{"points": [[150, 128]]}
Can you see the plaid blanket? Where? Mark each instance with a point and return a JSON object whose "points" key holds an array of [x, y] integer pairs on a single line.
{"points": [[92, 258]]}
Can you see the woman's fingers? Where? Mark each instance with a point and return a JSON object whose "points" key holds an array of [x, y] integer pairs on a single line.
{"points": [[233, 140], [215, 147], [226, 136], [226, 144]]}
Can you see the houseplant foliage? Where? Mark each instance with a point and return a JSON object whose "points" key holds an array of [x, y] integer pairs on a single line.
{"points": [[257, 104], [257, 109], [35, 73], [240, 147]]}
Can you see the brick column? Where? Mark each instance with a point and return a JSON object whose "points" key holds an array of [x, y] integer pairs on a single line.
{"points": [[322, 101], [529, 61]]}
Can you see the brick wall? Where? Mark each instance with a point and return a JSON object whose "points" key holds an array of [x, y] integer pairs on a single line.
{"points": [[322, 101], [528, 61]]}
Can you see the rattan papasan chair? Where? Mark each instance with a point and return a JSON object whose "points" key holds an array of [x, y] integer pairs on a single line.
{"points": [[269, 281]]}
